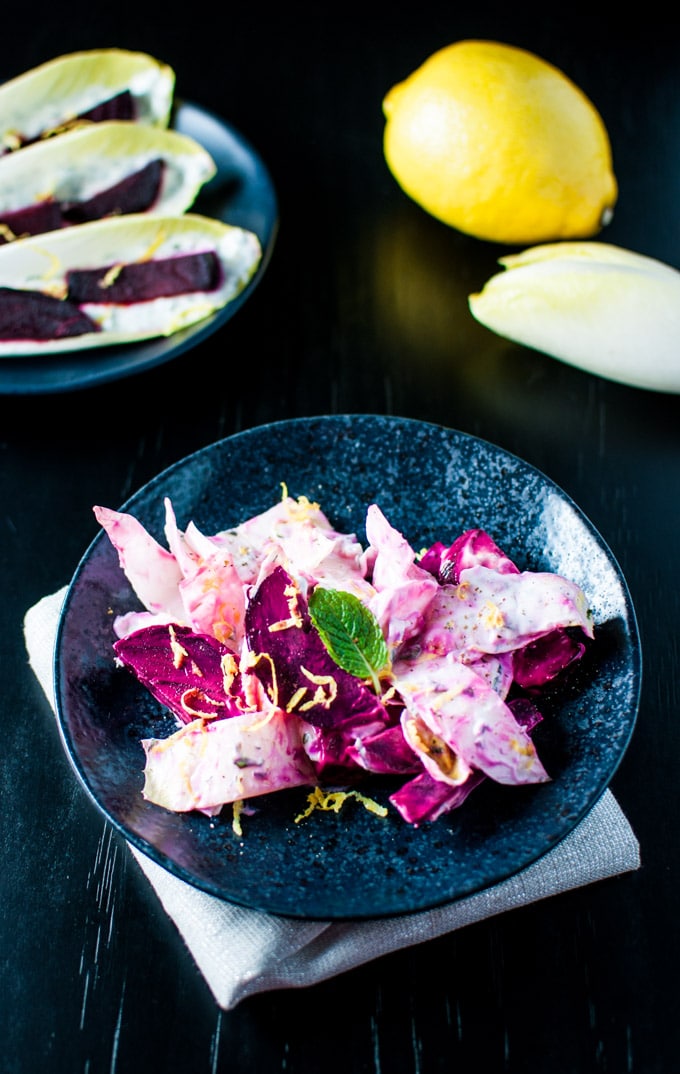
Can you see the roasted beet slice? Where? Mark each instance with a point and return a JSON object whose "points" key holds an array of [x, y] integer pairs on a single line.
{"points": [[34, 220], [120, 106], [34, 315], [143, 280], [134, 194]]}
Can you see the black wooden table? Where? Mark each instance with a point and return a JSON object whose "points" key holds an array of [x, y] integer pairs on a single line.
{"points": [[363, 308]]}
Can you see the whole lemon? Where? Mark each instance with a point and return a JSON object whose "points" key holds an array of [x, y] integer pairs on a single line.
{"points": [[496, 142]]}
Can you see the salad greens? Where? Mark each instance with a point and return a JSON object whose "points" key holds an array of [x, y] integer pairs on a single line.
{"points": [[291, 655]]}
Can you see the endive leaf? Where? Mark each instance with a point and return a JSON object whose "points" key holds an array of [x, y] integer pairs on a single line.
{"points": [[43, 264], [598, 307], [55, 93], [86, 161]]}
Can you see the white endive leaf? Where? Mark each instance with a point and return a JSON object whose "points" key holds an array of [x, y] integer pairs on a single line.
{"points": [[55, 93], [596, 306], [41, 264], [83, 162]]}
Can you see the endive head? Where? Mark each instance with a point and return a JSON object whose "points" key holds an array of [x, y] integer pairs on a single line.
{"points": [[598, 307]]}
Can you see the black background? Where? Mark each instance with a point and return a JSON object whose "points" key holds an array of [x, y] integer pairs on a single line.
{"points": [[363, 308]]}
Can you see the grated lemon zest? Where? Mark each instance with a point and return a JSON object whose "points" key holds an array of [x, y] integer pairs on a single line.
{"points": [[110, 276], [333, 801], [179, 653], [320, 697]]}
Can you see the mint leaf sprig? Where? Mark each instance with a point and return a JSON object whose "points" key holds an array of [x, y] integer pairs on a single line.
{"points": [[351, 633]]}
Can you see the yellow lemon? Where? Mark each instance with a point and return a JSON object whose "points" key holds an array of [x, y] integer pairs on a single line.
{"points": [[498, 143]]}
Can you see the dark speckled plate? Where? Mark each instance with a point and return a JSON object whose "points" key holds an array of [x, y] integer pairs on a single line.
{"points": [[431, 482]]}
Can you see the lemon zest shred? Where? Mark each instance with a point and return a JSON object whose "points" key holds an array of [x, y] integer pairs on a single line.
{"points": [[153, 247], [237, 810], [291, 593], [186, 703], [230, 669], [179, 653], [110, 276], [296, 698], [493, 616], [250, 662], [333, 801], [320, 697], [267, 717]]}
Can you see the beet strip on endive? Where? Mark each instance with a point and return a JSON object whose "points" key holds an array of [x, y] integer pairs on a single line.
{"points": [[134, 194], [34, 315], [144, 280]]}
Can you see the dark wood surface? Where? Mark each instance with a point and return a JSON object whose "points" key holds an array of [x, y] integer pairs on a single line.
{"points": [[363, 308]]}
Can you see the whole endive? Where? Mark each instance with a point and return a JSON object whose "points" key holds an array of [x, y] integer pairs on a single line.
{"points": [[599, 307]]}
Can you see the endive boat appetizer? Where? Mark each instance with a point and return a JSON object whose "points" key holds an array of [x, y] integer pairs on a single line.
{"points": [[100, 169], [87, 86], [119, 280]]}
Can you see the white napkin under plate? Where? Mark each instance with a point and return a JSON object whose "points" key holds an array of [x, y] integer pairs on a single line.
{"points": [[241, 951]]}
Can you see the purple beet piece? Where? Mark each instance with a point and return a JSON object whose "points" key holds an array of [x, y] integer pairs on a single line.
{"points": [[183, 670], [34, 315], [426, 799], [527, 714], [299, 657], [120, 106], [142, 280], [134, 194], [34, 220], [543, 659]]}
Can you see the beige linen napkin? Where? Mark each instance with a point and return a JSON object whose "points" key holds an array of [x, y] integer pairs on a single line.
{"points": [[241, 951]]}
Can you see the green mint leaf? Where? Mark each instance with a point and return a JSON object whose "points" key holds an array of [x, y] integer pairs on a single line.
{"points": [[350, 632]]}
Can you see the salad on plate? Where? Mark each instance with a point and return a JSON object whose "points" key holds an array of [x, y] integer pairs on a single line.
{"points": [[291, 655]]}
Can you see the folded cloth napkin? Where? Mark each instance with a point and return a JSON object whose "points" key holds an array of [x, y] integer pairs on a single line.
{"points": [[241, 951]]}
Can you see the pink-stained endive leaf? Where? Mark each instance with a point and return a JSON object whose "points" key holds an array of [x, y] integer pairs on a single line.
{"points": [[488, 612], [474, 548], [211, 589], [404, 590], [456, 722], [205, 765], [425, 799], [153, 572]]}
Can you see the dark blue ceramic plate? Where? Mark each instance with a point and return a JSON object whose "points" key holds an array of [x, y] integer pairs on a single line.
{"points": [[431, 482], [240, 193]]}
